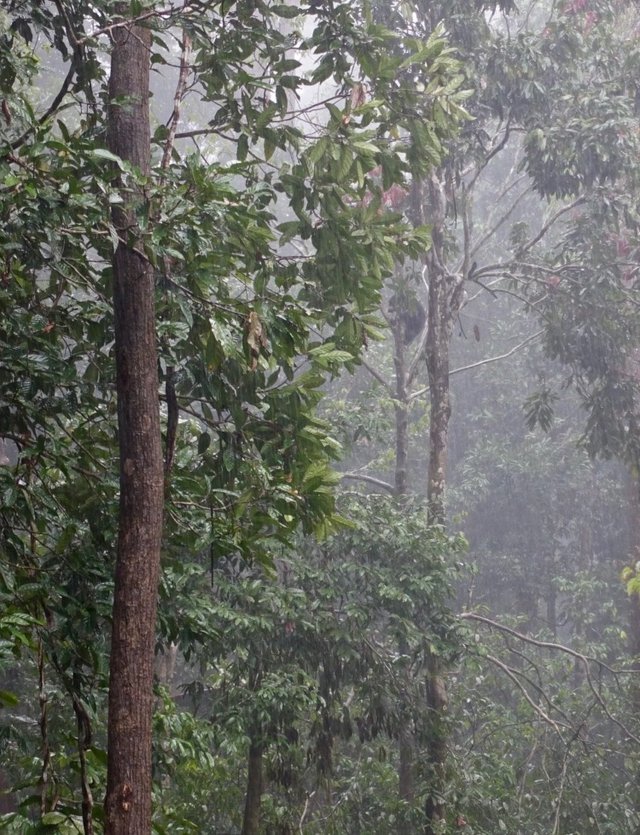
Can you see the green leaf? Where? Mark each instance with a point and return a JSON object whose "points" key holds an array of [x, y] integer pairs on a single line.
{"points": [[53, 818], [204, 442], [242, 147], [317, 151], [103, 153], [8, 699], [286, 11]]}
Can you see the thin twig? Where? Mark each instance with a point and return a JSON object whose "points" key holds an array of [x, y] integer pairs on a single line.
{"points": [[499, 357]]}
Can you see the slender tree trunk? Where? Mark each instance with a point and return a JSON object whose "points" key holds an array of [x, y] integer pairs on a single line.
{"points": [[437, 352], [633, 491], [128, 799], [8, 801], [552, 610], [633, 496], [253, 800], [444, 300], [405, 768], [401, 406]]}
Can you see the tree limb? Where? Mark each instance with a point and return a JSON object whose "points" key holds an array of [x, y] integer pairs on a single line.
{"points": [[509, 353], [178, 98], [551, 645], [585, 660], [378, 376], [479, 363], [508, 671], [62, 92], [369, 479], [545, 228]]}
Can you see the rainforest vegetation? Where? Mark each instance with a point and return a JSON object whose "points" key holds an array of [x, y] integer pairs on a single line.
{"points": [[319, 417]]}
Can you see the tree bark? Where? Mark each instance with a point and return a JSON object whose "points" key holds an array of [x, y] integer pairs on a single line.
{"points": [[633, 490], [440, 316], [437, 701], [444, 300], [253, 800], [405, 768], [128, 799], [401, 408], [633, 498]]}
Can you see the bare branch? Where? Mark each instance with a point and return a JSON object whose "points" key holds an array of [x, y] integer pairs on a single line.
{"points": [[510, 673], [178, 98], [369, 479], [509, 353], [504, 217], [378, 376], [551, 645], [166, 14], [191, 134], [585, 660], [545, 228], [497, 147]]}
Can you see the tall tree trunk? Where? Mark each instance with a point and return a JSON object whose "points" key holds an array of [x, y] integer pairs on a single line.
{"points": [[8, 800], [437, 701], [438, 369], [401, 407], [405, 768], [633, 491], [128, 799], [445, 293], [633, 504], [440, 315], [253, 800]]}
